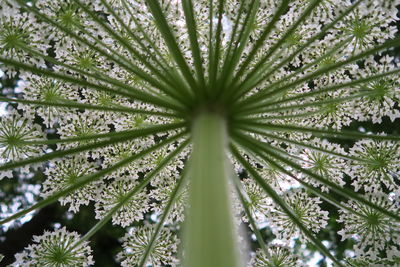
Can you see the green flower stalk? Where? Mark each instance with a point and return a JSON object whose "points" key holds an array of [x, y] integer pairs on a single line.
{"points": [[210, 229]]}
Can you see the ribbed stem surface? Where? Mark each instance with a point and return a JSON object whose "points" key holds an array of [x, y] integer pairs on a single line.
{"points": [[209, 236]]}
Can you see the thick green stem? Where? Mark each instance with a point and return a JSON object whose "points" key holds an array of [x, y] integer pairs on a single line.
{"points": [[209, 236]]}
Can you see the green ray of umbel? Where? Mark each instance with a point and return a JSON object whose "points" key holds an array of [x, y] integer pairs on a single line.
{"points": [[284, 206]]}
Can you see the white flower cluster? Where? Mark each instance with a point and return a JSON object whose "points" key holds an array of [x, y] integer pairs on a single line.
{"points": [[55, 248], [278, 256], [136, 242], [15, 134], [306, 210], [330, 167], [100, 71], [66, 172], [380, 168], [374, 232], [113, 194]]}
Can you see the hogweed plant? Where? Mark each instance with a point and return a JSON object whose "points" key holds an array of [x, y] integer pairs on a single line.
{"points": [[208, 114]]}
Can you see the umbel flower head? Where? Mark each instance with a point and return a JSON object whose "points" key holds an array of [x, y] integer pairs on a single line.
{"points": [[277, 256], [136, 243], [58, 248], [184, 120]]}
